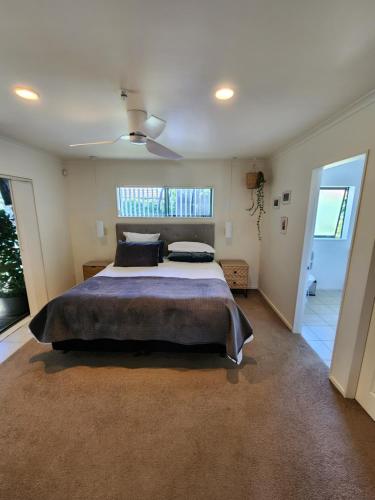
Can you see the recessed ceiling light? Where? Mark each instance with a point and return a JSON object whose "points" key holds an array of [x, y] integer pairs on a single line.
{"points": [[224, 94], [26, 93]]}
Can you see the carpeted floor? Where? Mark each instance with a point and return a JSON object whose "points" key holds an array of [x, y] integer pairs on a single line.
{"points": [[113, 426]]}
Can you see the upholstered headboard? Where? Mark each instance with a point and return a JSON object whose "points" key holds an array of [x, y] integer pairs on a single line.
{"points": [[204, 233]]}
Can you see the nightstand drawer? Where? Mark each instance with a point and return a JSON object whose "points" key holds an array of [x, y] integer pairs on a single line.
{"points": [[236, 273], [233, 283], [94, 267], [89, 272]]}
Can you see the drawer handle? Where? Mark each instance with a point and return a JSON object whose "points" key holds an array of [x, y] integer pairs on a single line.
{"points": [[234, 272], [234, 282]]}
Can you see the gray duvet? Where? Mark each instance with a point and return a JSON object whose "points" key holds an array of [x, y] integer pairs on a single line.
{"points": [[179, 310]]}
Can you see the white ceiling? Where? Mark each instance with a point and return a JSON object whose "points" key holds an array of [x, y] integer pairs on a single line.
{"points": [[292, 63]]}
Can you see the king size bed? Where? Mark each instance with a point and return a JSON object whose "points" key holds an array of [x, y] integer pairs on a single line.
{"points": [[168, 306]]}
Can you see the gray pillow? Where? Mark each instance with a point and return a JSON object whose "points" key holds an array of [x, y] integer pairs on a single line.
{"points": [[137, 254]]}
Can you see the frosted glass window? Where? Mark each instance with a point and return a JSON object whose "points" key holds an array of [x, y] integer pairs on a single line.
{"points": [[330, 217]]}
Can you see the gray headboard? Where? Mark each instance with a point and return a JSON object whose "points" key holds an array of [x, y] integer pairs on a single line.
{"points": [[204, 233]]}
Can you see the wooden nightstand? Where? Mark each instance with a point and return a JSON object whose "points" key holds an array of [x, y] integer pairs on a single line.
{"points": [[236, 272], [93, 267]]}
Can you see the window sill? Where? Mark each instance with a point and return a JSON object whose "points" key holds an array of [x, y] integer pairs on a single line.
{"points": [[330, 239]]}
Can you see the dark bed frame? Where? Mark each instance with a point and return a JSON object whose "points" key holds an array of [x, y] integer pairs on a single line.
{"points": [[169, 232], [135, 346]]}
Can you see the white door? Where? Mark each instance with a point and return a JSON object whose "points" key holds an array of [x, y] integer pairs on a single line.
{"points": [[366, 385], [30, 246]]}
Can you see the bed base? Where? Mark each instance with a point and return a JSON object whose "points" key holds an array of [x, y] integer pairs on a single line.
{"points": [[135, 346]]}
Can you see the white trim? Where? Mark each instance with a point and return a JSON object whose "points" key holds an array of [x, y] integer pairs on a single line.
{"points": [[34, 304], [359, 347], [276, 310], [15, 178], [328, 123], [337, 385], [308, 240], [14, 328]]}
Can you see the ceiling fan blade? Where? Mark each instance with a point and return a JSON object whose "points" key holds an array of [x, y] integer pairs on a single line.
{"points": [[153, 126], [159, 150], [94, 143]]}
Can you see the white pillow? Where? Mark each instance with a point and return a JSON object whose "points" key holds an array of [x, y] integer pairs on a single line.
{"points": [[140, 237], [190, 246]]}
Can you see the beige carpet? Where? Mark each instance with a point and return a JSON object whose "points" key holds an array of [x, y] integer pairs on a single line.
{"points": [[113, 426]]}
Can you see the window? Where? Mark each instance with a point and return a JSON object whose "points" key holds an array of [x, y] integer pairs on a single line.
{"points": [[164, 202], [333, 214]]}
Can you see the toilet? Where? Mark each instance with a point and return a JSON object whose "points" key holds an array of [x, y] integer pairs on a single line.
{"points": [[311, 285]]}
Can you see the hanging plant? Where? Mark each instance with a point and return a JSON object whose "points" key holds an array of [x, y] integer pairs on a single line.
{"points": [[255, 181]]}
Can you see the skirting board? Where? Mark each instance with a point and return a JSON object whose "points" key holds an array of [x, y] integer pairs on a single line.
{"points": [[338, 386], [275, 309], [15, 327]]}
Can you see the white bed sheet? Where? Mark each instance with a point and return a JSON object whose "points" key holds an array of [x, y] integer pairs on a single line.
{"points": [[168, 269]]}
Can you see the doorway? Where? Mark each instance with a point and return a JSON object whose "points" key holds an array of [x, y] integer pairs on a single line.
{"points": [[14, 304], [334, 200]]}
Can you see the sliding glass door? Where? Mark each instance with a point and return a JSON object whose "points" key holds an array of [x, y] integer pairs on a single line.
{"points": [[13, 298]]}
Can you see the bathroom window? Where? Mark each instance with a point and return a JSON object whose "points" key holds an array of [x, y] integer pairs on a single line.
{"points": [[334, 211]]}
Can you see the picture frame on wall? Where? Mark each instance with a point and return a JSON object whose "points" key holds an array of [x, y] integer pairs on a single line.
{"points": [[286, 197], [276, 202], [283, 225]]}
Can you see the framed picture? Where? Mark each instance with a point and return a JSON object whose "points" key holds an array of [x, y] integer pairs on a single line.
{"points": [[276, 202], [286, 197], [283, 225]]}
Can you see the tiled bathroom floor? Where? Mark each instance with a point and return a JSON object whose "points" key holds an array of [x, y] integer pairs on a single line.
{"points": [[320, 322]]}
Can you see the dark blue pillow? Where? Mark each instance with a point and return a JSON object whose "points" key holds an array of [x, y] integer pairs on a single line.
{"points": [[161, 250], [134, 254], [191, 257], [158, 242]]}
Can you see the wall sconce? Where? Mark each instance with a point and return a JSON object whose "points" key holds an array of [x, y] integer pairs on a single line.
{"points": [[100, 229], [228, 230]]}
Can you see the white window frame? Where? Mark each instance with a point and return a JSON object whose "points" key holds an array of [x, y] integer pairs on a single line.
{"points": [[347, 216], [211, 216]]}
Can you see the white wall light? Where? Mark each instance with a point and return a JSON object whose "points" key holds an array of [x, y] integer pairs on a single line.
{"points": [[100, 229], [228, 230]]}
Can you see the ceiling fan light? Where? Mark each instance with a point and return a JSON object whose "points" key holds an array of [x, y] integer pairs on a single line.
{"points": [[125, 137], [137, 138]]}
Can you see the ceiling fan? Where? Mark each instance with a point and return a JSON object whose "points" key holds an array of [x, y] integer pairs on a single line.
{"points": [[142, 130]]}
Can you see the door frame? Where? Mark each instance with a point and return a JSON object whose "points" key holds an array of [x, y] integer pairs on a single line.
{"points": [[366, 314], [29, 284], [307, 247], [308, 242]]}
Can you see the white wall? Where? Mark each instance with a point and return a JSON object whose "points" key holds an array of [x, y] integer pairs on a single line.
{"points": [[348, 136], [50, 199], [331, 256], [92, 196]]}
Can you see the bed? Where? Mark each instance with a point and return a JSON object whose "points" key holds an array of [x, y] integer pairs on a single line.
{"points": [[178, 306]]}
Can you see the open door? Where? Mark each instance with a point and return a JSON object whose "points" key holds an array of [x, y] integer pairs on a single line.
{"points": [[14, 304], [30, 244]]}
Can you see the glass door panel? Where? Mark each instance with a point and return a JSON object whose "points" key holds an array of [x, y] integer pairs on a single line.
{"points": [[13, 298]]}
